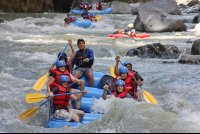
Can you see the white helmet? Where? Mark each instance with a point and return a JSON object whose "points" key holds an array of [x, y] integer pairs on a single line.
{"points": [[130, 25]]}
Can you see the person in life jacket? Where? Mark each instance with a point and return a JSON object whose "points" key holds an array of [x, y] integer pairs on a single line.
{"points": [[85, 57], [67, 20], [127, 77], [87, 5], [89, 17], [61, 70], [61, 105], [63, 57], [93, 18], [121, 91], [73, 5], [90, 5], [85, 13], [130, 31], [82, 6], [74, 18], [99, 6], [128, 64]]}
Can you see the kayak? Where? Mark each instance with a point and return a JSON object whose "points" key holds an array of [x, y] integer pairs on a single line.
{"points": [[92, 11], [139, 35], [100, 79], [85, 23]]}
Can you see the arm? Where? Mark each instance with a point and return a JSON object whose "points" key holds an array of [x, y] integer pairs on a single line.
{"points": [[51, 80], [138, 78], [138, 96], [73, 61], [74, 97], [116, 66], [104, 95], [73, 50], [89, 54]]}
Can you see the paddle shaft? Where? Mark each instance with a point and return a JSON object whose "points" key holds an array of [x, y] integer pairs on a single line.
{"points": [[77, 66]]}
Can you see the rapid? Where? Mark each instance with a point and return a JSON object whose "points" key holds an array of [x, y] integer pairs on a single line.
{"points": [[30, 42]]}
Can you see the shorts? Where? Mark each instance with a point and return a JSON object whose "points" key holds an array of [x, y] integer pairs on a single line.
{"points": [[63, 114], [83, 70]]}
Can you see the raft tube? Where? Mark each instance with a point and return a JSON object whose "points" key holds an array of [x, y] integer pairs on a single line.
{"points": [[85, 23], [92, 11], [86, 102], [139, 35]]}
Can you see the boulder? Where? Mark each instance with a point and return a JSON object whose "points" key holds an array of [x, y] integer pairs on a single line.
{"points": [[189, 59], [195, 50], [196, 19], [119, 7], [1, 20], [197, 30], [193, 2], [157, 21], [155, 50]]}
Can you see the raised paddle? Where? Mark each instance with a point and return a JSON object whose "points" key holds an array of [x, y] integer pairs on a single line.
{"points": [[112, 71], [40, 83], [36, 97], [30, 112], [98, 18], [147, 96]]}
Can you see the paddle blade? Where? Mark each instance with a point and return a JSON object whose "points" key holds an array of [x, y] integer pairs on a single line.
{"points": [[112, 71], [40, 83], [98, 18], [27, 114], [34, 97], [148, 97]]}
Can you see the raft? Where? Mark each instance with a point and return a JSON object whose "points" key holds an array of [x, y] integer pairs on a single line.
{"points": [[139, 35], [92, 11], [100, 79], [85, 23]]}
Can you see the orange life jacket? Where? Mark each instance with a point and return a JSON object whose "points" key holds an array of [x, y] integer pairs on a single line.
{"points": [[58, 74]]}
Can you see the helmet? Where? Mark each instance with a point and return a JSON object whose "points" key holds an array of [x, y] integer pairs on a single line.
{"points": [[99, 2], [68, 15], [86, 2], [81, 3], [89, 14], [130, 25], [123, 69], [127, 62], [63, 78], [80, 39], [120, 82], [75, 17], [93, 14], [60, 64], [63, 56], [73, 0]]}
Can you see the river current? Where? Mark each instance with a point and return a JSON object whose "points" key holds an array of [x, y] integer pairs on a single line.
{"points": [[30, 42]]}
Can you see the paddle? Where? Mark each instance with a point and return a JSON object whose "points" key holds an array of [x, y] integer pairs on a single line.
{"points": [[36, 97], [77, 66], [40, 83], [30, 112], [112, 71], [147, 96], [98, 18]]}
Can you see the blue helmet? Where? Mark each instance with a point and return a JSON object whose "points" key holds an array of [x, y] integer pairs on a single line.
{"points": [[127, 62], [63, 78], [86, 2], [75, 17], [123, 69], [89, 14], [60, 64], [93, 14], [68, 15], [99, 2], [73, 0], [82, 3], [63, 56], [120, 82]]}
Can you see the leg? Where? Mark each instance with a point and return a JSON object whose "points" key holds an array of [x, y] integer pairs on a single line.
{"points": [[78, 102], [78, 73], [89, 74]]}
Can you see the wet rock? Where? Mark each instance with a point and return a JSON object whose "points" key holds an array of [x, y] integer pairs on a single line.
{"points": [[193, 2], [189, 59], [155, 50], [196, 19], [1, 20], [192, 40], [195, 50], [119, 7]]}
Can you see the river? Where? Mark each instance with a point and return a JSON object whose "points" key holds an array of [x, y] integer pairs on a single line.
{"points": [[30, 42]]}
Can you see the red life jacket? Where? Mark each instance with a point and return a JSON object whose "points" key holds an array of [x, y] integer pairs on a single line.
{"points": [[128, 84], [121, 95], [99, 6], [81, 6], [72, 19], [58, 74], [90, 6], [61, 101]]}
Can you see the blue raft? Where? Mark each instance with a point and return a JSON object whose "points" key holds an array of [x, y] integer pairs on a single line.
{"points": [[100, 79], [105, 11], [85, 23]]}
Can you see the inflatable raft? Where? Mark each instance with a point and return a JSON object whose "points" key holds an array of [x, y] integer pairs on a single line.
{"points": [[85, 23], [139, 35], [105, 11], [100, 79]]}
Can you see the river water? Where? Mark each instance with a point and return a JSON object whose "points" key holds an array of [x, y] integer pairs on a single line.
{"points": [[29, 44]]}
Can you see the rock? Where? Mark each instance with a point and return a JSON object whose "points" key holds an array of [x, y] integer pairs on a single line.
{"points": [[155, 50], [189, 59], [196, 19], [195, 50], [197, 30], [157, 21], [1, 20], [192, 40], [119, 7], [193, 2], [134, 11]]}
